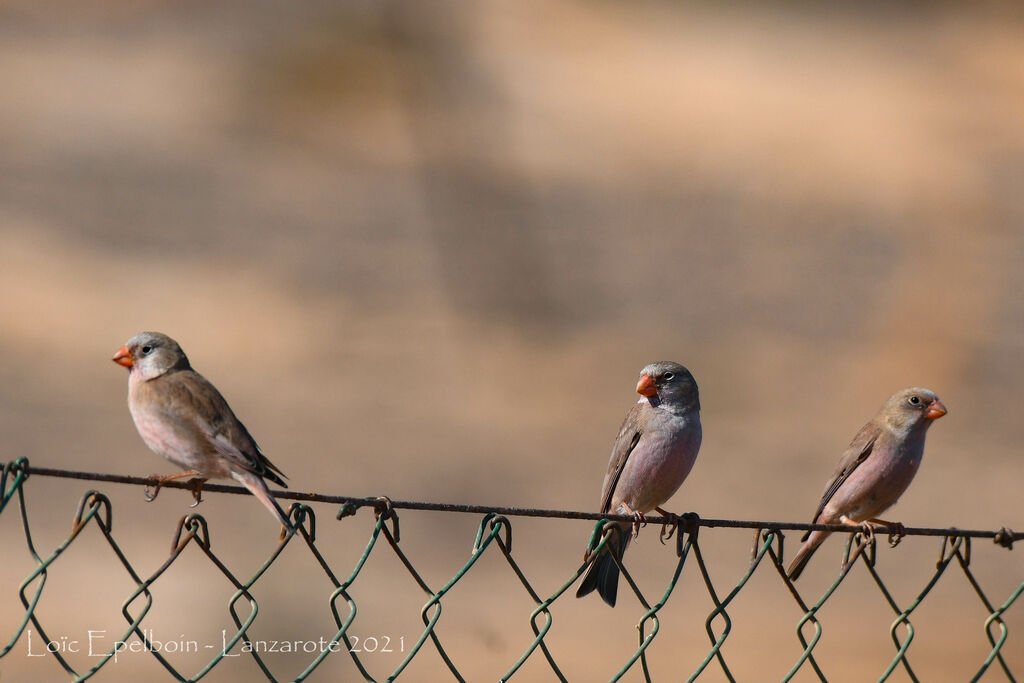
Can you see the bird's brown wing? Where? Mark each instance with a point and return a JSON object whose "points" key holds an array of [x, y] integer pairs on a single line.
{"points": [[213, 418], [629, 436], [856, 453]]}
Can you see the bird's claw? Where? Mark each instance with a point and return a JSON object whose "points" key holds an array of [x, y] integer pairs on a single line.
{"points": [[151, 491], [669, 526], [638, 521], [196, 486], [896, 536]]}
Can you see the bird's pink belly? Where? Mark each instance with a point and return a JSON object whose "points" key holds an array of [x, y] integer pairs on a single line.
{"points": [[874, 491], [650, 480], [166, 443]]}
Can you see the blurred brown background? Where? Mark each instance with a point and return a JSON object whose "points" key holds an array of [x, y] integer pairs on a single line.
{"points": [[424, 249]]}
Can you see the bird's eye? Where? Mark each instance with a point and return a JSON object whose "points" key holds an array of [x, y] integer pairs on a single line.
{"points": [[668, 376], [146, 349], [914, 400]]}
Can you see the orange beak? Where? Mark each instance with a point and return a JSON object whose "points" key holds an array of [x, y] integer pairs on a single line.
{"points": [[645, 386], [935, 410], [122, 357]]}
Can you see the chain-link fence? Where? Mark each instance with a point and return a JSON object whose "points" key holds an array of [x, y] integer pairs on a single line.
{"points": [[494, 536]]}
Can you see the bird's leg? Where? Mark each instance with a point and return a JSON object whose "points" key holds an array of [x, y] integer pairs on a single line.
{"points": [[896, 536], [196, 486], [867, 532], [150, 492], [669, 526], [638, 519], [867, 528]]}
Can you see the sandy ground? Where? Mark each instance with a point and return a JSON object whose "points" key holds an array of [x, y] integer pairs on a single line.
{"points": [[425, 253]]}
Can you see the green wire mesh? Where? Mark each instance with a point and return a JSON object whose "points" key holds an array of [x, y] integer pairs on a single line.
{"points": [[493, 535]]}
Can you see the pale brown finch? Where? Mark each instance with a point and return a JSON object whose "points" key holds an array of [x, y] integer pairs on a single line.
{"points": [[875, 470], [183, 417]]}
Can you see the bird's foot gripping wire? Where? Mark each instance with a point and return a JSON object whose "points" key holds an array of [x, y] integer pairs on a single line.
{"points": [[669, 526], [866, 542], [195, 485], [638, 519], [896, 536], [152, 490], [868, 526]]}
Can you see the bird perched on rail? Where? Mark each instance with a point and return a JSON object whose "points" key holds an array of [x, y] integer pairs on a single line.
{"points": [[875, 470], [654, 452], [181, 416]]}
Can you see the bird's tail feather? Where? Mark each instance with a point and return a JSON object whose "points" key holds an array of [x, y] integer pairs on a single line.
{"points": [[813, 540], [258, 488], [603, 573]]}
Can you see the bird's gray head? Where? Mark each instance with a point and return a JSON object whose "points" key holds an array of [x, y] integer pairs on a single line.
{"points": [[913, 407], [151, 354], [670, 383]]}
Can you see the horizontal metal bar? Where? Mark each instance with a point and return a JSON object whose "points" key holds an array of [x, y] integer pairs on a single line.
{"points": [[514, 511]]}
